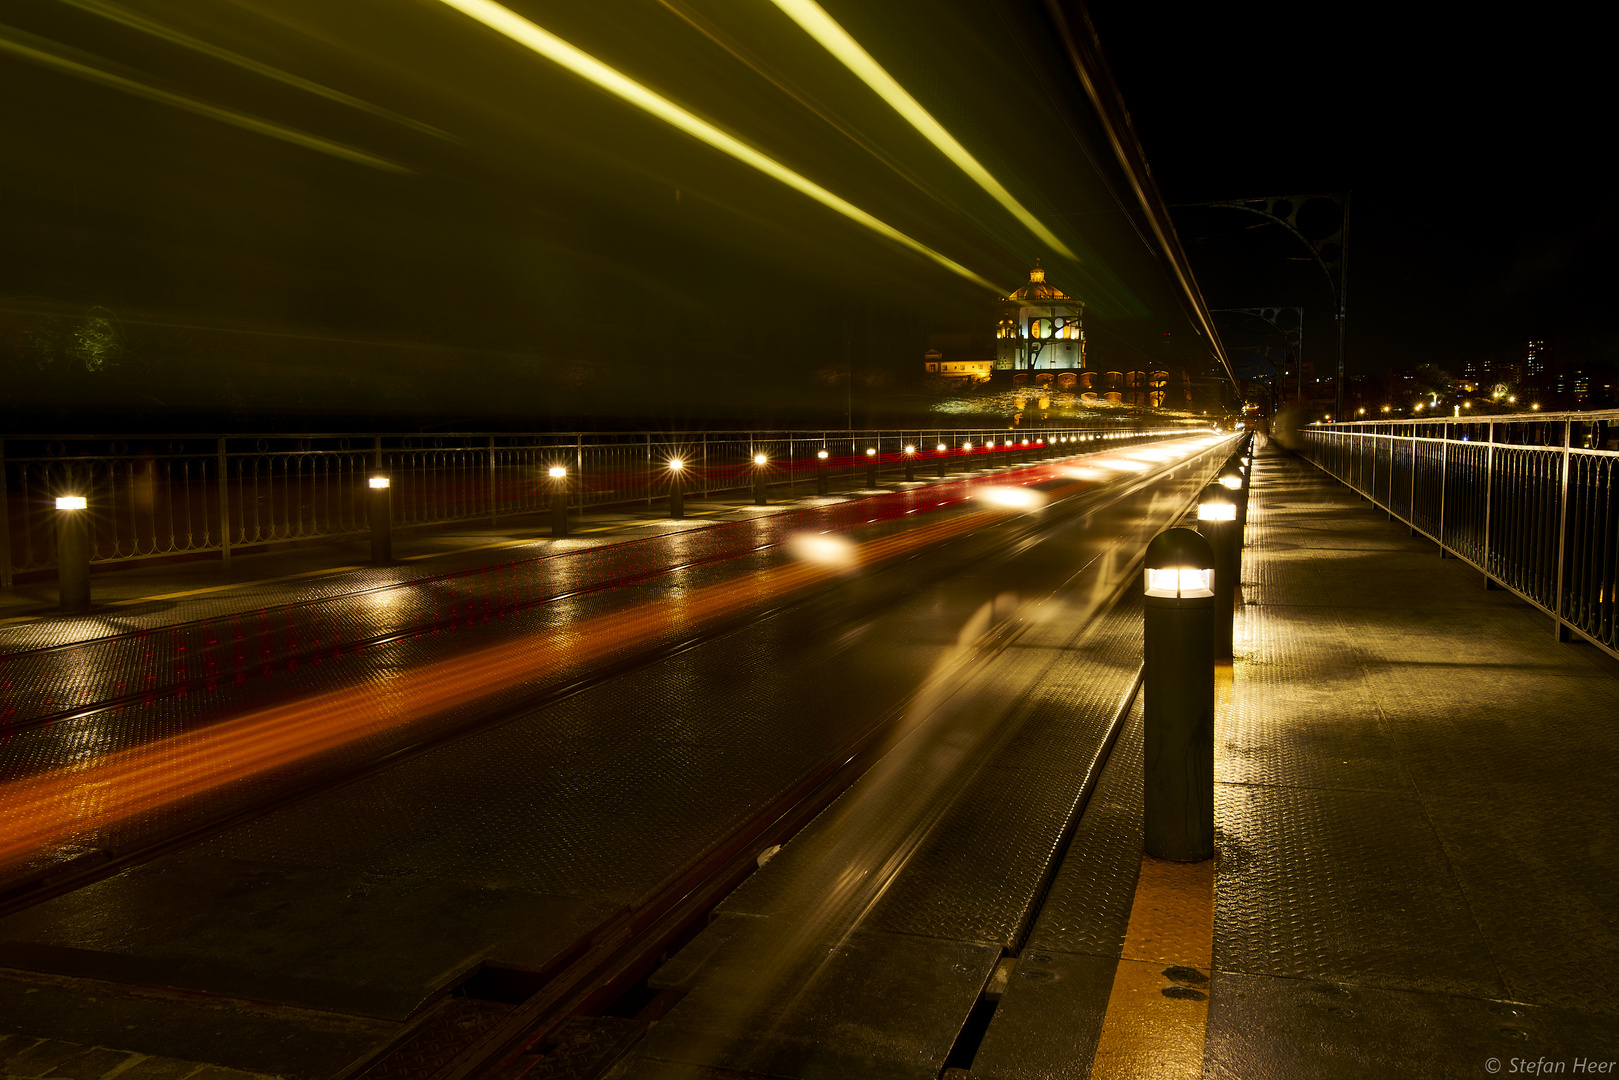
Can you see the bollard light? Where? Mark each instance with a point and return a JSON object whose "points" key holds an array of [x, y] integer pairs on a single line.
{"points": [[73, 552], [379, 510], [559, 501], [821, 454], [759, 463], [910, 464], [1178, 697], [677, 490], [1217, 519], [870, 451], [871, 467]]}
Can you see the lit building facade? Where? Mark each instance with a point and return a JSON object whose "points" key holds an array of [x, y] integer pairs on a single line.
{"points": [[1039, 328]]}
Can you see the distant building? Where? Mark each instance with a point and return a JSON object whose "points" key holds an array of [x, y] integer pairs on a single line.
{"points": [[961, 356], [1535, 359], [1039, 328]]}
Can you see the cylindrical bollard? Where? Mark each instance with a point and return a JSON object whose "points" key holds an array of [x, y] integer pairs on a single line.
{"points": [[559, 501], [759, 463], [820, 473], [1217, 521], [1234, 478], [871, 468], [910, 464], [379, 511], [677, 488], [942, 450], [1178, 704], [73, 552]]}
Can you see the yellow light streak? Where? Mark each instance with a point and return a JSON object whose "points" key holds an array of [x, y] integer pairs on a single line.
{"points": [[49, 54], [836, 40], [525, 33], [116, 13]]}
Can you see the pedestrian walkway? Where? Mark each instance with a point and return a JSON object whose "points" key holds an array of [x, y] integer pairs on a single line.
{"points": [[1418, 853]]}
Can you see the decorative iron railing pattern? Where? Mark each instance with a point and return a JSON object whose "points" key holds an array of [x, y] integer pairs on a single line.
{"points": [[1532, 502], [162, 496]]}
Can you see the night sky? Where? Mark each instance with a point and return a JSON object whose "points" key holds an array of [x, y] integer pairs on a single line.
{"points": [[1484, 205], [232, 212]]}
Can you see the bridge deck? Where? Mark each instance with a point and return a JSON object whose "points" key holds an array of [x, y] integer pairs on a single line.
{"points": [[1416, 873]]}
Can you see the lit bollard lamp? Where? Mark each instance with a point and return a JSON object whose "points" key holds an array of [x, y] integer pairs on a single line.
{"points": [[73, 552], [820, 472], [379, 512], [871, 466], [559, 501], [1234, 478], [760, 461], [677, 488], [1217, 521], [910, 464], [942, 450], [1178, 705]]}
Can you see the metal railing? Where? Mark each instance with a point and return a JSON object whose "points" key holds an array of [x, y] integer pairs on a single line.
{"points": [[166, 496], [1532, 502]]}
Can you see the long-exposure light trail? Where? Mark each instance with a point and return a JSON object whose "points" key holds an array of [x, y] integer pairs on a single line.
{"points": [[505, 21], [95, 793], [837, 41]]}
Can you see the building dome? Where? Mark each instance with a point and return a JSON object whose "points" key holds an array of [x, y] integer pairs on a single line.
{"points": [[1037, 289]]}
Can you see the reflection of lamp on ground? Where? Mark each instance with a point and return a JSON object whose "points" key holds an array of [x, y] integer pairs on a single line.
{"points": [[379, 508], [1178, 697], [73, 552], [677, 488], [559, 500]]}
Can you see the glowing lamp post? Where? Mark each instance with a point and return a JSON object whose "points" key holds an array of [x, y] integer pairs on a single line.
{"points": [[379, 510], [871, 466], [910, 463], [1178, 702], [942, 448], [559, 500], [820, 472], [1217, 520], [677, 488], [760, 462], [73, 552]]}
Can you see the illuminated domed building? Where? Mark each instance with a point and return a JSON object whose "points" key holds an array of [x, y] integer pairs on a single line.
{"points": [[1039, 328]]}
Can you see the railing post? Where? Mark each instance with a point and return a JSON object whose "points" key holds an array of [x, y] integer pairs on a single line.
{"points": [[579, 466], [493, 512], [5, 523], [224, 506], [1563, 633], [1489, 494], [1444, 474]]}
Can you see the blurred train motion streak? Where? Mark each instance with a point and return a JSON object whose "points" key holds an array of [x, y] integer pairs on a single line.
{"points": [[97, 791]]}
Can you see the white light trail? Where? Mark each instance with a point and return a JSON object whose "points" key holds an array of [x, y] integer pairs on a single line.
{"points": [[836, 40], [505, 21]]}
